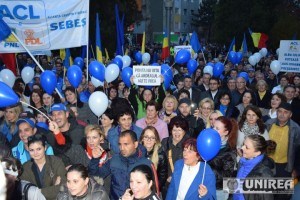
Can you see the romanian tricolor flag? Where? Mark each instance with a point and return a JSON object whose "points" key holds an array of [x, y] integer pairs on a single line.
{"points": [[165, 48], [232, 45], [98, 41], [259, 39], [143, 44], [244, 47]]}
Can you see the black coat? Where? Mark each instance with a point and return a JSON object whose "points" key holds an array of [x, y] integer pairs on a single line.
{"points": [[176, 150], [265, 101], [266, 168], [162, 167], [223, 165]]}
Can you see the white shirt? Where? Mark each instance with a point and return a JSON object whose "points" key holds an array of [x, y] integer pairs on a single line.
{"points": [[188, 175]]}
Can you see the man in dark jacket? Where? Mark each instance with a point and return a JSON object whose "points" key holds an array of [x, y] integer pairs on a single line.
{"points": [[61, 126], [120, 165]]}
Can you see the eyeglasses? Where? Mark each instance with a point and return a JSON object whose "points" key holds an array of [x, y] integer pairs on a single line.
{"points": [[149, 138]]}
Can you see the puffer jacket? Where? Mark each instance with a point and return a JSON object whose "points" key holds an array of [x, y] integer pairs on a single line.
{"points": [[162, 167], [223, 165], [95, 192], [119, 168]]}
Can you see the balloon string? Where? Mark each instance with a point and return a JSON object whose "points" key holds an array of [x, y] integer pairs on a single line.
{"points": [[35, 109], [203, 172]]}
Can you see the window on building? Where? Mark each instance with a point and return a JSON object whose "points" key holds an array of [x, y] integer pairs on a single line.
{"points": [[184, 25], [177, 11], [185, 12]]}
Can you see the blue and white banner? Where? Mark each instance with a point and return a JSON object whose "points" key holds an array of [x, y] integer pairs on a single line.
{"points": [[289, 55], [44, 25]]}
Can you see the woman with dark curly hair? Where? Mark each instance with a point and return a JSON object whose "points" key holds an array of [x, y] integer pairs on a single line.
{"points": [[251, 123], [172, 145]]}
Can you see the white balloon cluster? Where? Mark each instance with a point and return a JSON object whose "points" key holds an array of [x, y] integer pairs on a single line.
{"points": [[255, 58]]}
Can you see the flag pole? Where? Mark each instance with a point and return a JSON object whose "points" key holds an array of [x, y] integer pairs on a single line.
{"points": [[203, 56], [33, 58], [87, 46]]}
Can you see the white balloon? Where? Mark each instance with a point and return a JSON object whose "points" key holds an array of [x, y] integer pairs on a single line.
{"points": [[98, 103], [275, 66], [208, 70], [119, 56], [27, 74], [126, 61], [277, 51], [252, 60], [263, 52], [8, 77], [111, 72], [96, 82], [257, 56], [146, 58]]}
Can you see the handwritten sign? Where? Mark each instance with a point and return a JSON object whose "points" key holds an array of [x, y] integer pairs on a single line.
{"points": [[289, 55], [146, 75]]}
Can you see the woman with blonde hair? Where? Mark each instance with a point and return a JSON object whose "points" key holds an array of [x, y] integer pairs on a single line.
{"points": [[150, 139], [168, 111], [206, 106], [9, 128], [212, 118]]}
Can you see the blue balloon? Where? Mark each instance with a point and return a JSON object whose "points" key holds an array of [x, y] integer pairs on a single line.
{"points": [[79, 62], [74, 75], [182, 56], [7, 96], [239, 57], [167, 84], [154, 64], [138, 57], [232, 57], [118, 61], [210, 64], [48, 81], [244, 75], [97, 70], [166, 70], [126, 74], [218, 69], [208, 143], [192, 66]]}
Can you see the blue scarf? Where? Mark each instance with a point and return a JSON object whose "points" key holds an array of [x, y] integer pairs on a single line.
{"points": [[223, 109], [245, 169]]}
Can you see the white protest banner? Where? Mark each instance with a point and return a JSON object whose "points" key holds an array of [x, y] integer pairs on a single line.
{"points": [[146, 75], [44, 25], [289, 55], [177, 48]]}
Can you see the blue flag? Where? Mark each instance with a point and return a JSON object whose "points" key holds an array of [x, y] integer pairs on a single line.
{"points": [[196, 46], [232, 45], [120, 32], [5, 30]]}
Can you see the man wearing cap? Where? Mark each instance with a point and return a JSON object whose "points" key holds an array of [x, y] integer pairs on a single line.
{"points": [[286, 133], [26, 129], [61, 126], [184, 110]]}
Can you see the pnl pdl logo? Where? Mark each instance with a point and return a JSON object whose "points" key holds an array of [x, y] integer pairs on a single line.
{"points": [[267, 185], [294, 46]]}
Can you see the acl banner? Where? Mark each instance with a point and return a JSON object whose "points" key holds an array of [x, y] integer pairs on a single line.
{"points": [[44, 25]]}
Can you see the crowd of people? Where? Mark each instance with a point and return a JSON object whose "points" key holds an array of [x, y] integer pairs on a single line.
{"points": [[144, 146]]}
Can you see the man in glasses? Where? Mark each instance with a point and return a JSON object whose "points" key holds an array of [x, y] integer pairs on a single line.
{"points": [[213, 92], [26, 129]]}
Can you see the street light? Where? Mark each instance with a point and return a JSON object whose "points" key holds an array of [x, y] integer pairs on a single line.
{"points": [[168, 6]]}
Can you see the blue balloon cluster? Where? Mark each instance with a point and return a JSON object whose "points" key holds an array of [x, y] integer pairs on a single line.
{"points": [[235, 57], [97, 70]]}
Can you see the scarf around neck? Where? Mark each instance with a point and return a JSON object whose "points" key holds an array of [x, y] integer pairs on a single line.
{"points": [[250, 130]]}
